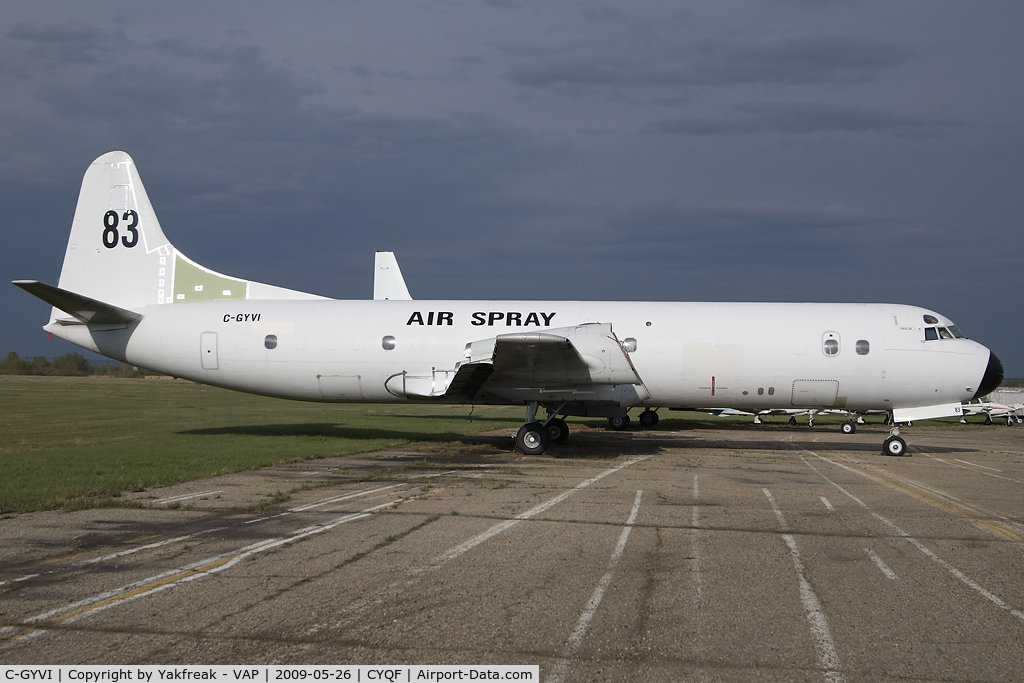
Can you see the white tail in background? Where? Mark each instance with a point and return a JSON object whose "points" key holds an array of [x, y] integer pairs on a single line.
{"points": [[388, 282]]}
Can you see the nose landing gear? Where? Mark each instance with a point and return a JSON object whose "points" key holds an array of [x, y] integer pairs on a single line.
{"points": [[894, 445]]}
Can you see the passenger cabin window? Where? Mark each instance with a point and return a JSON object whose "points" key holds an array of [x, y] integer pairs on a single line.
{"points": [[830, 343], [270, 341], [944, 333], [931, 320], [930, 334], [862, 347]]}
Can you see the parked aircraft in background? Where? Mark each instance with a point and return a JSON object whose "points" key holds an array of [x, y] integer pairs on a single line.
{"points": [[126, 292], [990, 409]]}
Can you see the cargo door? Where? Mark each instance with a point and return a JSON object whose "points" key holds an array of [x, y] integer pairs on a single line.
{"points": [[815, 392]]}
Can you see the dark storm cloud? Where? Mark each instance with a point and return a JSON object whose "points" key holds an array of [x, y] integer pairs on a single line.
{"points": [[789, 61], [64, 44], [801, 118], [224, 137], [736, 234], [794, 150]]}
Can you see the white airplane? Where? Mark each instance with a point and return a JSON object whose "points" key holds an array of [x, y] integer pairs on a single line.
{"points": [[986, 406], [126, 292]]}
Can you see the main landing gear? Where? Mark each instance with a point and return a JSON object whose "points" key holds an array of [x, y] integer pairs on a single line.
{"points": [[648, 418], [534, 438]]}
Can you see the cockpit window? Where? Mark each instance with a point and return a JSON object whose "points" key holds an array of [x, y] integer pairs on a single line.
{"points": [[944, 333], [930, 334], [956, 332], [931, 320]]}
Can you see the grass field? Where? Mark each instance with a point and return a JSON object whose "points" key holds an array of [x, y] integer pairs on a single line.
{"points": [[71, 442]]}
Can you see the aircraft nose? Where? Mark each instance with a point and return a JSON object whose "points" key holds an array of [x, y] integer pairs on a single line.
{"points": [[993, 376]]}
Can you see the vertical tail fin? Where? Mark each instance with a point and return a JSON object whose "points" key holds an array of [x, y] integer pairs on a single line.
{"points": [[118, 254]]}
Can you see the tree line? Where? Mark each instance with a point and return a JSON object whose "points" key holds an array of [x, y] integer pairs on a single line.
{"points": [[68, 365]]}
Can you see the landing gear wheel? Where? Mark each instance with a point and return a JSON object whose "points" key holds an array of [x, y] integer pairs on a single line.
{"points": [[849, 427], [1009, 421], [619, 422], [558, 430], [895, 446], [533, 439], [988, 419], [792, 421], [648, 418]]}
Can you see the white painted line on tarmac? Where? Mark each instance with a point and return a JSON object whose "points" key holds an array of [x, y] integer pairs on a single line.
{"points": [[827, 504], [994, 599], [974, 464], [346, 496], [824, 646], [176, 499], [114, 556], [889, 574], [413, 576], [428, 476], [561, 666], [20, 578], [509, 523], [148, 546], [696, 571]]}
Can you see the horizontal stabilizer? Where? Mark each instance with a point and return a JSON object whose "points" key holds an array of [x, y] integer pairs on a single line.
{"points": [[82, 308]]}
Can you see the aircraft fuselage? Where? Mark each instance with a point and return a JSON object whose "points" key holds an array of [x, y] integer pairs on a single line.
{"points": [[748, 356]]}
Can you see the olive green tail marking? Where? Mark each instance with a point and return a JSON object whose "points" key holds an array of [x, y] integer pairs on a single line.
{"points": [[193, 283]]}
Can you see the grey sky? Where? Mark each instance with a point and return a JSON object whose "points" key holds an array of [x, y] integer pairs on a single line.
{"points": [[793, 151]]}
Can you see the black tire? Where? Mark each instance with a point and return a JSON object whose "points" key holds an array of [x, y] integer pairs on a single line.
{"points": [[619, 422], [558, 430], [648, 418], [849, 427], [988, 419], [894, 446], [533, 439], [792, 420]]}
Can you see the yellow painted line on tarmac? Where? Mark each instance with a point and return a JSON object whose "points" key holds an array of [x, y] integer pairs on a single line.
{"points": [[964, 465], [910, 487]]}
